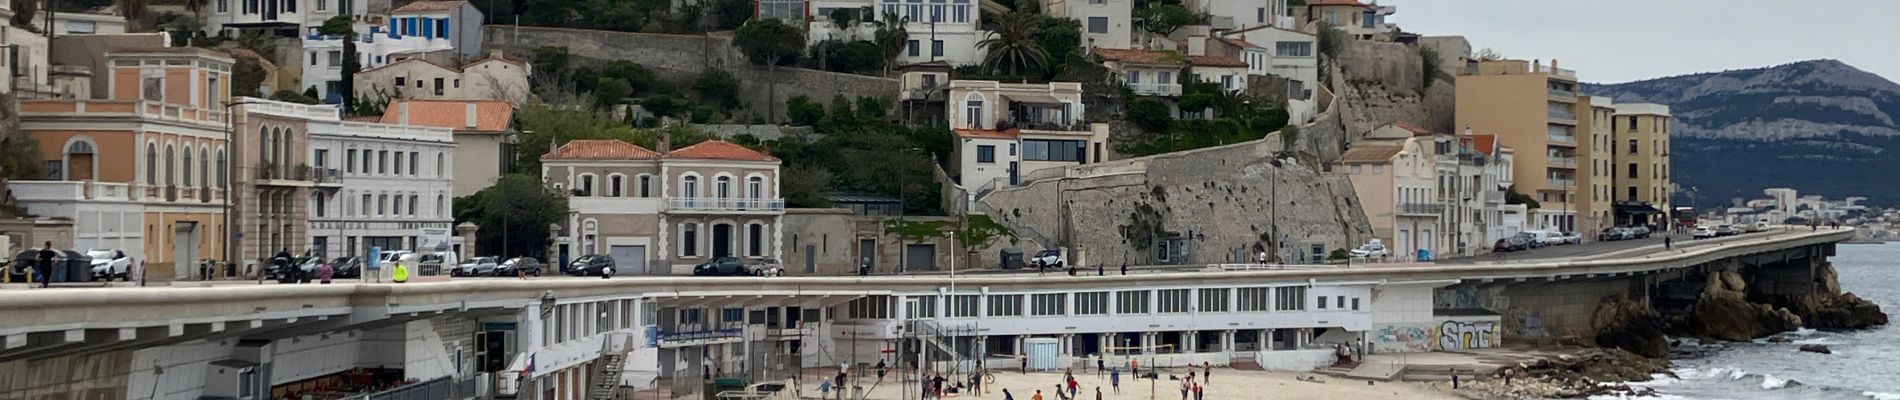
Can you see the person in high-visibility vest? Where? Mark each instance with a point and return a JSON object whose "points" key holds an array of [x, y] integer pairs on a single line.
{"points": [[400, 274]]}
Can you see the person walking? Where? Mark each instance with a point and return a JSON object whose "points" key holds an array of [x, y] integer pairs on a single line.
{"points": [[881, 369], [45, 264], [1115, 380], [824, 388], [1207, 372], [1072, 386], [1007, 396], [1187, 385], [1134, 367], [1124, 268], [1197, 391], [1668, 243], [1100, 365], [1038, 395], [1454, 378], [1098, 393]]}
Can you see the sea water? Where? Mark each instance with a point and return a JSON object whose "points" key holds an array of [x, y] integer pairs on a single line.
{"points": [[1865, 364]]}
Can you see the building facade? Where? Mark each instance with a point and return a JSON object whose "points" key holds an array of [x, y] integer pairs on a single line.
{"points": [[492, 78], [290, 18], [1286, 53], [1147, 72], [1395, 175], [1108, 24], [1642, 163], [1363, 21], [1006, 131], [663, 213], [144, 170], [1595, 205], [1532, 108], [445, 32], [484, 136]]}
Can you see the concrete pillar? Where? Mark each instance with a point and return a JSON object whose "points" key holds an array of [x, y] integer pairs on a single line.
{"points": [[1227, 341], [1068, 345], [1264, 340], [1191, 342]]}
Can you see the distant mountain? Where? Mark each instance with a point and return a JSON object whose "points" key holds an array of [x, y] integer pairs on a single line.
{"points": [[1822, 126]]}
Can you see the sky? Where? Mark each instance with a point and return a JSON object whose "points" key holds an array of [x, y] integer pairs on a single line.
{"points": [[1614, 41]]}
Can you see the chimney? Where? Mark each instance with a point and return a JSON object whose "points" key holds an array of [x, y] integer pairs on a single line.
{"points": [[402, 113], [496, 53], [468, 117], [1468, 131], [766, 148]]}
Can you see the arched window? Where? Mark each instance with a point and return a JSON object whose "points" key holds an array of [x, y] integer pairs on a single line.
{"points": [[171, 166], [263, 144], [755, 189], [151, 164], [689, 187], [80, 160], [223, 180], [204, 167], [615, 185], [438, 165], [438, 203], [722, 187], [414, 201], [187, 166]]}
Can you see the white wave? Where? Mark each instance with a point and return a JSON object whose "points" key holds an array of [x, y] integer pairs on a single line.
{"points": [[1737, 374], [1803, 332], [1881, 396], [1770, 382], [1658, 396]]}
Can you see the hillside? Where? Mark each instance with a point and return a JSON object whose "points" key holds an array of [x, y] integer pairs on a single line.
{"points": [[1821, 126]]}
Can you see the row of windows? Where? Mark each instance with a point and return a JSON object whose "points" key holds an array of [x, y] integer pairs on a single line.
{"points": [[568, 322], [1164, 301], [690, 240], [171, 175], [383, 162], [644, 187], [380, 205]]}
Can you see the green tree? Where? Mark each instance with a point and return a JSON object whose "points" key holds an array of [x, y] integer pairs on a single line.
{"points": [[891, 38], [770, 43], [258, 42], [246, 77], [611, 91], [1150, 115], [804, 186], [803, 112], [1511, 196], [663, 105], [1060, 37], [1163, 19], [1487, 54], [637, 76], [24, 12], [844, 18], [337, 25], [1428, 64], [519, 208], [718, 87], [1013, 42]]}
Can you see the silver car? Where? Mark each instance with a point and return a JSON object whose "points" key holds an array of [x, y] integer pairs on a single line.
{"points": [[478, 266]]}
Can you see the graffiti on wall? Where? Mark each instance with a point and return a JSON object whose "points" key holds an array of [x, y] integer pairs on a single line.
{"points": [[1527, 322], [1458, 335], [1400, 338]]}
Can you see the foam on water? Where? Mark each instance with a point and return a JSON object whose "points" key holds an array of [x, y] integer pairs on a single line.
{"points": [[1881, 396]]}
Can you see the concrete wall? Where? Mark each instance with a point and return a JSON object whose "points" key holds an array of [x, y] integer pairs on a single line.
{"points": [[680, 58]]}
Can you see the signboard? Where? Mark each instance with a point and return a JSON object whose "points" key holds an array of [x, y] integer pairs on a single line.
{"points": [[375, 258], [434, 239]]}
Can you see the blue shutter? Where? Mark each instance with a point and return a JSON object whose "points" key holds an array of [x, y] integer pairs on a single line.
{"points": [[442, 27]]}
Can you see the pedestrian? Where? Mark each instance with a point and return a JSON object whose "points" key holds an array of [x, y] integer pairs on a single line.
{"points": [[1059, 395], [840, 379], [1134, 367], [1454, 378], [1098, 393], [1025, 359], [1197, 391], [325, 272], [1115, 380], [400, 274], [937, 382], [881, 369], [1071, 269], [1100, 270], [824, 388], [606, 273], [1099, 365], [1038, 395], [976, 383], [1007, 396], [1207, 372], [45, 262], [1668, 243], [1186, 386], [1124, 268], [1072, 386]]}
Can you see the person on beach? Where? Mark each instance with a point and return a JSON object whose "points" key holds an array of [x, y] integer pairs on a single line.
{"points": [[1072, 386], [1098, 393], [1100, 365], [1207, 372], [1197, 391], [1668, 244], [1454, 378], [1115, 380], [1134, 367], [1185, 387], [824, 388]]}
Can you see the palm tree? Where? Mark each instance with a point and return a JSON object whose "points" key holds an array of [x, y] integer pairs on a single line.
{"points": [[258, 42], [1013, 41], [892, 37], [134, 13]]}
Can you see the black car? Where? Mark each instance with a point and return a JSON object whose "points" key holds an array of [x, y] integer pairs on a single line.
{"points": [[722, 266], [346, 267], [591, 264], [527, 265]]}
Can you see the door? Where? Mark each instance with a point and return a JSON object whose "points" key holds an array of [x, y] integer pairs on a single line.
{"points": [[629, 259], [722, 240], [184, 248], [920, 257], [811, 259], [1012, 174], [79, 167], [867, 254]]}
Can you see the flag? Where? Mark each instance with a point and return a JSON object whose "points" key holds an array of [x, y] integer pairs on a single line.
{"points": [[529, 370]]}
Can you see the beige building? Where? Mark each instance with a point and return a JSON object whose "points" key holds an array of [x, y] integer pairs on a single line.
{"points": [[1007, 131], [273, 179], [484, 135], [492, 78], [1395, 175], [663, 212], [1532, 108], [1595, 182], [1642, 163], [1147, 72]]}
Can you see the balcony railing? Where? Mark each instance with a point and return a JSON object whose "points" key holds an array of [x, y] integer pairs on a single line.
{"points": [[1554, 71], [723, 204], [1563, 162], [1563, 94], [1494, 197], [1031, 124], [1559, 183], [1562, 139], [1565, 115], [325, 176], [1157, 89], [1421, 208]]}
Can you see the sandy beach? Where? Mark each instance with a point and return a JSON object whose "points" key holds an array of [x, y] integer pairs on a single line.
{"points": [[1227, 384]]}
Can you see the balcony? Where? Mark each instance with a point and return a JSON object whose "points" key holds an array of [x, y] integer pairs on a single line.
{"points": [[1156, 89], [1421, 209], [723, 205], [1561, 140], [147, 110], [1554, 71], [674, 339], [1494, 197], [1563, 115], [71, 190], [326, 177], [1563, 162], [1563, 95], [270, 175], [1042, 125], [1560, 184]]}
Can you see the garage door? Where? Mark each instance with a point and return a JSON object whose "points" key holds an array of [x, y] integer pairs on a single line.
{"points": [[920, 257], [629, 259]]}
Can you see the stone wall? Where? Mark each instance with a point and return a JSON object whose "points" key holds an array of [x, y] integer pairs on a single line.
{"points": [[1383, 84], [680, 58], [832, 238]]}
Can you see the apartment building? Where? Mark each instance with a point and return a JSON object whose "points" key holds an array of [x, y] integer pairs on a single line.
{"points": [[144, 169], [663, 212], [494, 77], [1641, 164], [1007, 131], [1243, 14], [1595, 206], [1147, 72], [273, 179], [1532, 108], [1497, 176], [1282, 52], [1105, 23], [285, 18], [484, 136], [940, 31], [446, 32], [1395, 175], [1360, 20]]}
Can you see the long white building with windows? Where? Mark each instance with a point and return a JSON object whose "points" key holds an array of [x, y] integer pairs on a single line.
{"points": [[390, 182]]}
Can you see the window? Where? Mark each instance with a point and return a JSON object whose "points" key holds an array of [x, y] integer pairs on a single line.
{"points": [[382, 162], [646, 185], [1171, 300], [986, 154], [382, 204], [936, 48], [171, 169], [912, 47], [1098, 24], [187, 166], [1322, 302], [1632, 146], [1338, 302], [963, 305], [614, 184], [414, 200], [398, 163], [1212, 300], [1632, 127], [1091, 303], [151, 164], [204, 167], [400, 82], [1632, 171], [336, 58], [154, 88], [689, 240], [1260, 15], [924, 307], [413, 161], [722, 187], [755, 240], [1043, 305], [1632, 193], [365, 204], [222, 182], [755, 188], [1290, 298], [438, 86], [318, 200], [1008, 305], [586, 186], [973, 113], [1134, 77], [1054, 150], [224, 6], [439, 166], [1131, 302], [323, 5], [1355, 304], [1293, 49], [1164, 77]]}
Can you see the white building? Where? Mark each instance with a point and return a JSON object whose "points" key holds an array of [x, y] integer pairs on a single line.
{"points": [[380, 185], [670, 210], [1243, 14], [1284, 53], [75, 23], [287, 18], [446, 32], [1108, 24], [1360, 20], [494, 77], [946, 31], [1007, 131]]}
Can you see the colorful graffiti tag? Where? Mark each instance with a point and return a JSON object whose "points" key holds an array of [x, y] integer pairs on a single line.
{"points": [[1457, 335], [1397, 338]]}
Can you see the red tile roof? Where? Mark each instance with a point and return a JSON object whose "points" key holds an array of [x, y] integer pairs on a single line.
{"points": [[1414, 129], [428, 6], [490, 115], [719, 150], [1216, 61], [587, 149], [1335, 3], [1136, 56], [987, 134], [1486, 144]]}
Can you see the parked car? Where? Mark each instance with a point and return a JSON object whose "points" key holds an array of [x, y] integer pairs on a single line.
{"points": [[1530, 239], [722, 266], [1047, 259], [476, 266], [591, 264], [765, 267], [1727, 230], [1545, 238], [1510, 244], [1758, 226], [108, 264], [298, 270], [526, 265], [1570, 238], [1639, 232], [347, 267], [1703, 232], [1373, 249]]}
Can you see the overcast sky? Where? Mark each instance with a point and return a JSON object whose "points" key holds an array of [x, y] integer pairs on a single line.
{"points": [[1612, 41]]}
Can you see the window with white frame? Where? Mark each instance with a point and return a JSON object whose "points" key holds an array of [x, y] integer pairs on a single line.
{"points": [[1091, 303], [1171, 300], [924, 307], [1007, 305], [963, 305], [586, 185], [1293, 49], [1131, 302], [1051, 304], [1292, 298], [1212, 300], [646, 185], [1253, 299], [614, 184], [689, 240], [1098, 24]]}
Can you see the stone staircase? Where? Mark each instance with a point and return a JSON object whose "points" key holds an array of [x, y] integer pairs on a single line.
{"points": [[613, 359]]}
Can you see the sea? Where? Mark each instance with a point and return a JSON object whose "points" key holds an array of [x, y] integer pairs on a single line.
{"points": [[1864, 365]]}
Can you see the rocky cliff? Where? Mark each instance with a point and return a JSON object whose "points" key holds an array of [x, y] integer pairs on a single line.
{"points": [[1830, 309], [1724, 312], [1814, 125]]}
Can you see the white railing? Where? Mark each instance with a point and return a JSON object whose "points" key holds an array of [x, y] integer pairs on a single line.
{"points": [[1494, 197], [393, 131], [723, 204], [1562, 139], [1563, 162], [1554, 71], [1556, 183], [292, 110], [70, 190], [1161, 89]]}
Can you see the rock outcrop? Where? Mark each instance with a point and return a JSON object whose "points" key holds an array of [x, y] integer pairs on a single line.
{"points": [[1630, 325], [1582, 374], [1829, 309], [1723, 312]]}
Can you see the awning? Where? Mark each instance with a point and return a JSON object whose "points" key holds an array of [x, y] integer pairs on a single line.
{"points": [[1033, 98], [1636, 208]]}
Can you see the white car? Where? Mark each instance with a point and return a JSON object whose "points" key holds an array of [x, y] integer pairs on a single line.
{"points": [[1703, 232], [1047, 259], [108, 264], [765, 267], [1375, 249]]}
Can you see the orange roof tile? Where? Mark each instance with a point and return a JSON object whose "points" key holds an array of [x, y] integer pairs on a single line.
{"points": [[1216, 61], [1414, 129], [588, 149], [987, 134], [490, 115], [427, 6], [1135, 56], [720, 150], [1486, 144]]}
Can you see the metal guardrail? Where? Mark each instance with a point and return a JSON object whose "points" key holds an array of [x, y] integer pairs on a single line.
{"points": [[723, 204]]}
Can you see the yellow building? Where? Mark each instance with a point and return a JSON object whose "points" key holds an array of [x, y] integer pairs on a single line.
{"points": [[1641, 163], [1534, 109], [1596, 183]]}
